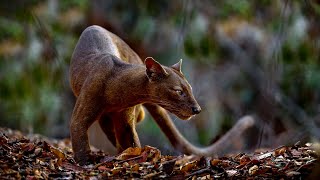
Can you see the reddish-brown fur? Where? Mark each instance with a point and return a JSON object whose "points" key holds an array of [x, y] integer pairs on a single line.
{"points": [[112, 83]]}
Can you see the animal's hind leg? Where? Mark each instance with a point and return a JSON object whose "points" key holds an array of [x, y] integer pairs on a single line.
{"points": [[107, 126], [139, 112]]}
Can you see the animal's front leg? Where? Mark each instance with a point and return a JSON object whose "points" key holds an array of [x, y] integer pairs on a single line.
{"points": [[84, 114], [125, 129]]}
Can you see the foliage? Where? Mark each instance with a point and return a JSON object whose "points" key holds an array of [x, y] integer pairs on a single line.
{"points": [[42, 158], [34, 63]]}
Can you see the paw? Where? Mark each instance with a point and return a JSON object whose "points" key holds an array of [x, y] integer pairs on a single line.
{"points": [[84, 159]]}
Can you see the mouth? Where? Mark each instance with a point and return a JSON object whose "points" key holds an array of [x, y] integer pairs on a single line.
{"points": [[179, 115], [186, 118], [177, 112]]}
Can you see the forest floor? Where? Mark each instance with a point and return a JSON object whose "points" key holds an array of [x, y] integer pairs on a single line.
{"points": [[37, 157]]}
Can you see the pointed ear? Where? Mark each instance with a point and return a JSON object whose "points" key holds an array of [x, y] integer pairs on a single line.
{"points": [[154, 70], [177, 66]]}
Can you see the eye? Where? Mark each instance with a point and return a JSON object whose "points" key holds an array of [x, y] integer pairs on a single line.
{"points": [[179, 92]]}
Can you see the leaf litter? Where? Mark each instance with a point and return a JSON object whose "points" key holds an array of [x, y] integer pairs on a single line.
{"points": [[38, 157]]}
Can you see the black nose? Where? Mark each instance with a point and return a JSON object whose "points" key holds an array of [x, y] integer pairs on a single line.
{"points": [[196, 110]]}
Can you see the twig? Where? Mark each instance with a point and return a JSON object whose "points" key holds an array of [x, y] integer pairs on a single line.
{"points": [[200, 172], [130, 159], [207, 169]]}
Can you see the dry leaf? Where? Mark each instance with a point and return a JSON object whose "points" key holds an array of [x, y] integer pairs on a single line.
{"points": [[129, 153], [103, 168], [214, 162], [189, 166], [264, 155], [244, 160], [253, 170], [22, 158], [280, 151], [117, 170], [231, 172], [135, 168]]}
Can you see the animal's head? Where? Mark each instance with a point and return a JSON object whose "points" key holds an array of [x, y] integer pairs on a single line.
{"points": [[169, 88]]}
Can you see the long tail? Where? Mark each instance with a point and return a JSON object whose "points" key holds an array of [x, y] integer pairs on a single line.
{"points": [[229, 141]]}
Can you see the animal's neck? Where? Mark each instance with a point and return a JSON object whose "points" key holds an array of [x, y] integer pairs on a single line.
{"points": [[132, 85]]}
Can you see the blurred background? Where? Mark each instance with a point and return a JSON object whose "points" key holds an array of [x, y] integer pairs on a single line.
{"points": [[259, 58]]}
